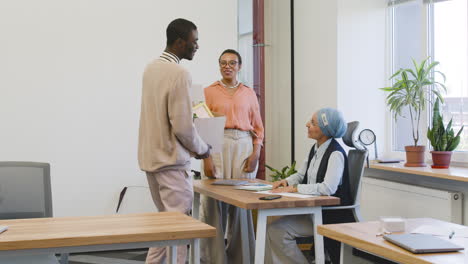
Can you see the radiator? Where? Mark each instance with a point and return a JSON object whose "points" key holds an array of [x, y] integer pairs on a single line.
{"points": [[387, 198]]}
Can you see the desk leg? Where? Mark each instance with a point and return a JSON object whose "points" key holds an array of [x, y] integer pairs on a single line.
{"points": [[172, 254], [244, 236], [346, 255], [196, 206], [195, 246], [195, 251], [261, 237], [64, 258], [318, 239]]}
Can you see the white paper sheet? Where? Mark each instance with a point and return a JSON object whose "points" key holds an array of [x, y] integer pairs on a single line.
{"points": [[440, 231], [296, 195], [254, 187], [211, 130]]}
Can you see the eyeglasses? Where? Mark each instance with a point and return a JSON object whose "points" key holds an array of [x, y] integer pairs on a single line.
{"points": [[312, 122], [231, 63]]}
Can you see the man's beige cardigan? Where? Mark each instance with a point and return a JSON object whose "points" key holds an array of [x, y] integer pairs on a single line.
{"points": [[167, 137]]}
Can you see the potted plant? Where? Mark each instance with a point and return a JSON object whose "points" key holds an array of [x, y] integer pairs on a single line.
{"points": [[284, 173], [443, 140], [410, 91]]}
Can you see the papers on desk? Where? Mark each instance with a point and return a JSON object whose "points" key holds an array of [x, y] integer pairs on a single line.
{"points": [[441, 231], [254, 186], [296, 195], [229, 182], [3, 229]]}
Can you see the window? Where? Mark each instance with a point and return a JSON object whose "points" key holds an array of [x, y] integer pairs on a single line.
{"points": [[407, 44], [450, 34], [439, 29]]}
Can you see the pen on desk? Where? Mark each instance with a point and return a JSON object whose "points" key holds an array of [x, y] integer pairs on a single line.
{"points": [[3, 229], [451, 234]]}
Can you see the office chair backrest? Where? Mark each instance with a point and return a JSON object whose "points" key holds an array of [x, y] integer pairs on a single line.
{"points": [[25, 190], [356, 159], [351, 137], [356, 163]]}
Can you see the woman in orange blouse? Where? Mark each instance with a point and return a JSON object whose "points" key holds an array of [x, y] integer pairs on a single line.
{"points": [[243, 139]]}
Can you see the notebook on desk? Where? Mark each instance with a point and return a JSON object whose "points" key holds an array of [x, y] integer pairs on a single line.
{"points": [[229, 182], [422, 243]]}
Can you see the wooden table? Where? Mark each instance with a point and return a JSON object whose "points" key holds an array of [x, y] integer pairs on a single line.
{"points": [[363, 236], [97, 233], [248, 200]]}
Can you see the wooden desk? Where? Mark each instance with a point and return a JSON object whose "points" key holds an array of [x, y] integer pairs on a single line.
{"points": [[97, 233], [363, 236], [248, 200]]}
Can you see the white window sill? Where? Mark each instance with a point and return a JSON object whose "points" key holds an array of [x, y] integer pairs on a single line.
{"points": [[452, 173]]}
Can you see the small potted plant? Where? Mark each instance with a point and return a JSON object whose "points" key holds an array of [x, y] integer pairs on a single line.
{"points": [[410, 91], [284, 173], [443, 139]]}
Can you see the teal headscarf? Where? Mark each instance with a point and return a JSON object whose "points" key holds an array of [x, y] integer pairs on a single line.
{"points": [[331, 122]]}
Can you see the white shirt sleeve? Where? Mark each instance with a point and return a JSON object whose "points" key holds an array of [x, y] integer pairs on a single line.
{"points": [[297, 177], [332, 178]]}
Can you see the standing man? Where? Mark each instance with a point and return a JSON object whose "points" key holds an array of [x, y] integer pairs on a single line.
{"points": [[167, 138]]}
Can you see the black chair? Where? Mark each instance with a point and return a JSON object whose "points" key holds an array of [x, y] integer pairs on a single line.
{"points": [[356, 162]]}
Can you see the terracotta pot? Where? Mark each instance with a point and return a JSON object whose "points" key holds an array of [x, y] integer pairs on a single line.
{"points": [[441, 159], [415, 156]]}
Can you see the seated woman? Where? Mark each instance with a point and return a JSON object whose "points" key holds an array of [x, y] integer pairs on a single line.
{"points": [[324, 172]]}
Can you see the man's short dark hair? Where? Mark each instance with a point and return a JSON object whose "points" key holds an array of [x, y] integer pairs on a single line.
{"points": [[179, 28], [231, 51]]}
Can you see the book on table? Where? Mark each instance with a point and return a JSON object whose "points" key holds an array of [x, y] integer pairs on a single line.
{"points": [[230, 182]]}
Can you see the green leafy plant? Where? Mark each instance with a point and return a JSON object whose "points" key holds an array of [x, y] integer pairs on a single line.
{"points": [[442, 138], [411, 90], [284, 173]]}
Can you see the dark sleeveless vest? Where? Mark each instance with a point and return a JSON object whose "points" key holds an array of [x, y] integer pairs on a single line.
{"points": [[343, 191]]}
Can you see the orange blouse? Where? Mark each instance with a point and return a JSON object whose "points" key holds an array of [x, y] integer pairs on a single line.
{"points": [[241, 109]]}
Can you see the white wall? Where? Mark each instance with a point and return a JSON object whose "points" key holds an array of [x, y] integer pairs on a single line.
{"points": [[361, 65], [339, 62], [315, 49], [70, 74], [277, 83]]}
